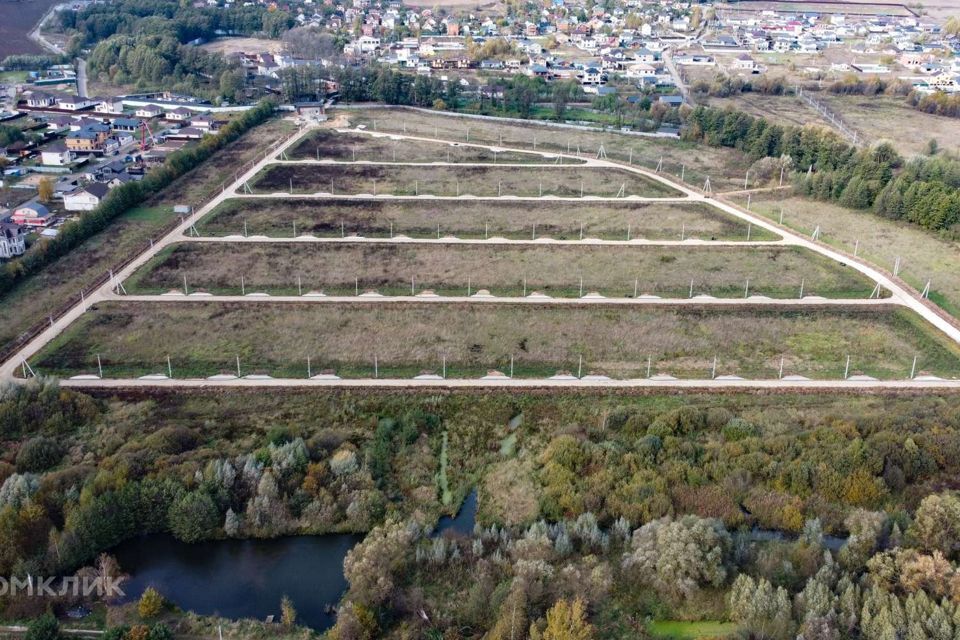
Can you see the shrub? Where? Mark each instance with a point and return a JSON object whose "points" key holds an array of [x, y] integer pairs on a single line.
{"points": [[39, 454], [45, 627], [150, 604], [738, 429], [343, 462]]}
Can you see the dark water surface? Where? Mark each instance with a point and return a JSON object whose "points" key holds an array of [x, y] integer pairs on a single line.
{"points": [[241, 578], [463, 522]]}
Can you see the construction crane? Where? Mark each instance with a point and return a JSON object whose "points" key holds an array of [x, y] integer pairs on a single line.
{"points": [[145, 134]]}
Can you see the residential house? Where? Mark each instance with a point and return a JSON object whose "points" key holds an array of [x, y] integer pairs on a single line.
{"points": [[40, 100], [56, 155], [130, 125], [148, 111], [75, 103], [86, 141], [85, 198], [12, 240], [187, 133], [746, 63], [180, 114], [31, 214], [671, 101], [204, 122], [111, 105]]}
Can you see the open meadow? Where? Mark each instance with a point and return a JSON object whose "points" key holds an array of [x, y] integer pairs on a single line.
{"points": [[392, 269], [203, 338], [279, 217], [407, 180]]}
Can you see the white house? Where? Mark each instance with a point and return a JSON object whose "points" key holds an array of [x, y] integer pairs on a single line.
{"points": [[367, 44], [75, 103], [11, 240], [40, 100], [180, 114], [745, 63], [149, 111], [111, 105], [85, 198], [56, 155]]}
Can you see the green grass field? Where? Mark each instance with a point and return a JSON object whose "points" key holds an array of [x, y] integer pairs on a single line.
{"points": [[677, 630], [280, 217], [487, 181], [391, 269], [203, 338]]}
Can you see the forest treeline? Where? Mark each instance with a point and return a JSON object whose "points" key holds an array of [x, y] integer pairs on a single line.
{"points": [[924, 190]]}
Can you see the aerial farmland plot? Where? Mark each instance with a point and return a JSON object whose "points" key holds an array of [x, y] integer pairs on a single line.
{"points": [[353, 256], [475, 219]]}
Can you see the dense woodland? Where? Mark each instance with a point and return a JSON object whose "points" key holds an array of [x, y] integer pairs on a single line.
{"points": [[595, 513], [924, 190], [144, 43]]}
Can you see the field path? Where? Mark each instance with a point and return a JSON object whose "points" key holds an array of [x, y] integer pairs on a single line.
{"points": [[900, 294]]}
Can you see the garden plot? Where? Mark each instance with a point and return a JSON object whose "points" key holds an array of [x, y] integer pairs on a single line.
{"points": [[410, 180], [563, 271], [204, 338], [280, 217]]}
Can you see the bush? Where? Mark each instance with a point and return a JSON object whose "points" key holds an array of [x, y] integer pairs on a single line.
{"points": [[738, 429], [343, 462], [150, 604], [45, 627], [38, 454]]}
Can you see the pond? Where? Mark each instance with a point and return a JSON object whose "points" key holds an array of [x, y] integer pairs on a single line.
{"points": [[463, 522], [241, 578]]}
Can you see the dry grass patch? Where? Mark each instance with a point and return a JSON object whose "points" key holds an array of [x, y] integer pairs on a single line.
{"points": [[454, 181], [393, 269], [725, 167], [325, 144], [476, 219], [924, 256], [203, 338]]}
